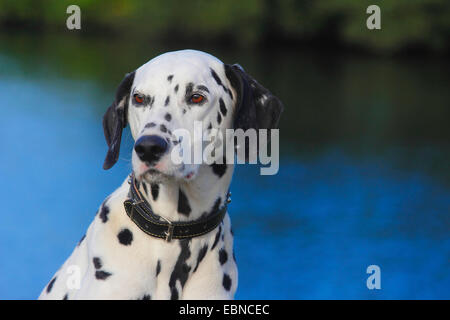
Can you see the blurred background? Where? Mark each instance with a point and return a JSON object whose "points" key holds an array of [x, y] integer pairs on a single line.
{"points": [[365, 137]]}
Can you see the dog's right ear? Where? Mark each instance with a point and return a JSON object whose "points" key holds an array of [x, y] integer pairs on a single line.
{"points": [[115, 119]]}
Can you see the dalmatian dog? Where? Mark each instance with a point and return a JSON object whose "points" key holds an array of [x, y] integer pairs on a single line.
{"points": [[116, 258]]}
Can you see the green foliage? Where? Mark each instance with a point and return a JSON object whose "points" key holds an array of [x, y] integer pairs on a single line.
{"points": [[246, 22]]}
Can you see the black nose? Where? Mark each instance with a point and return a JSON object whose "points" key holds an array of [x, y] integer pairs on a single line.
{"points": [[150, 148]]}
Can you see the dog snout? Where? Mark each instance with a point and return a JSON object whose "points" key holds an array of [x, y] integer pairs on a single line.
{"points": [[150, 148]]}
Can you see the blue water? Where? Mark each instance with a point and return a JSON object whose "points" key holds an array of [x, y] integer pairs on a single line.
{"points": [[308, 232]]}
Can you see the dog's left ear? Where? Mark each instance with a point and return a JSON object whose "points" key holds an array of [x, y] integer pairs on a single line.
{"points": [[256, 107], [115, 119]]}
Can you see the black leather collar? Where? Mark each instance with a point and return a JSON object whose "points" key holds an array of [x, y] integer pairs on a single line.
{"points": [[140, 212]]}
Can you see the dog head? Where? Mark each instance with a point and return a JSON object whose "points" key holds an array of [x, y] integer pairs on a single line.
{"points": [[170, 97]]}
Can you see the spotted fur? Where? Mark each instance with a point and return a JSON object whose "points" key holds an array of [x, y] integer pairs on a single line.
{"points": [[115, 259]]}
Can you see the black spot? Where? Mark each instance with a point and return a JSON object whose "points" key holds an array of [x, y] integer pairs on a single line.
{"points": [[169, 78], [229, 92], [189, 88], [163, 128], [176, 89], [184, 111], [101, 275], [234, 257], [216, 239], [183, 204], [223, 108], [146, 297], [219, 168], [181, 269], [168, 117], [226, 282], [186, 268], [219, 82], [97, 262], [223, 256], [166, 103], [219, 118], [81, 240], [158, 267], [145, 188], [210, 126], [155, 190], [201, 255], [50, 285], [104, 213], [150, 125], [125, 237], [216, 77], [174, 293], [231, 231], [66, 296]]}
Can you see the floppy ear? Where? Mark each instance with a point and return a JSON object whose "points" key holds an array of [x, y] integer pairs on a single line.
{"points": [[115, 119], [256, 107]]}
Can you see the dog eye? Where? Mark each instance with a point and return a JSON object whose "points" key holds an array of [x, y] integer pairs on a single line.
{"points": [[138, 98], [197, 98]]}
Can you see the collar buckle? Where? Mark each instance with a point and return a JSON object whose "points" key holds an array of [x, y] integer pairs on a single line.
{"points": [[169, 233]]}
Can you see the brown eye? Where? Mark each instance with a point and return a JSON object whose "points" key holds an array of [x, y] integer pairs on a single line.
{"points": [[197, 98], [138, 98]]}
